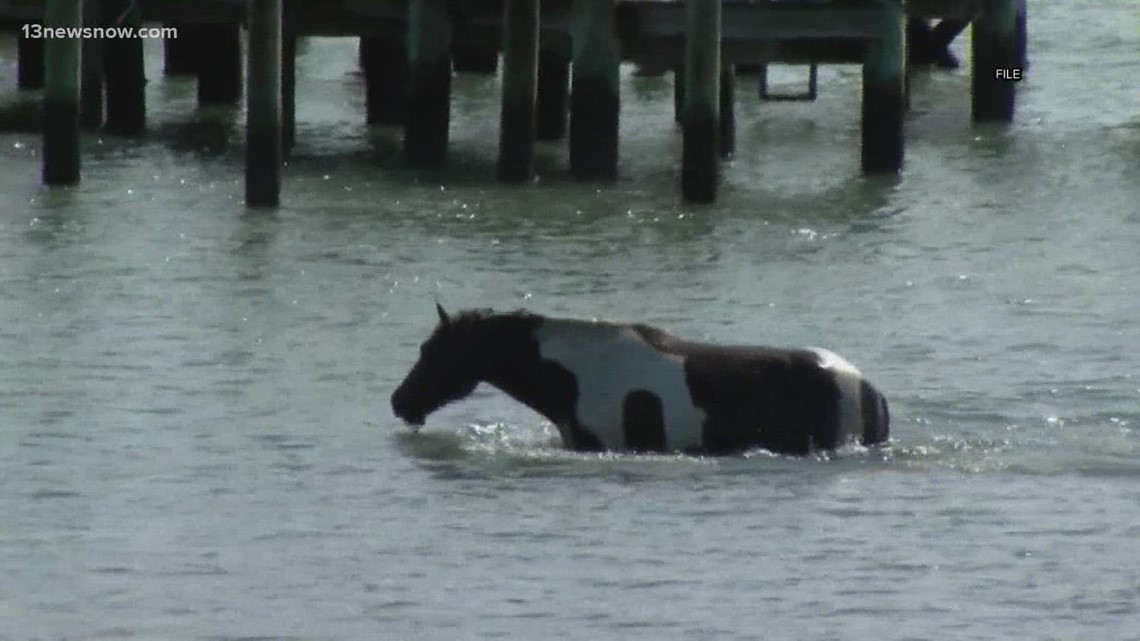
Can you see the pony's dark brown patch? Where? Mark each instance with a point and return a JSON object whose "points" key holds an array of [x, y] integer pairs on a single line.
{"points": [[779, 400], [643, 422]]}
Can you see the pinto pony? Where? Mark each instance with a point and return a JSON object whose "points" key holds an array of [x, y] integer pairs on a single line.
{"points": [[609, 386]]}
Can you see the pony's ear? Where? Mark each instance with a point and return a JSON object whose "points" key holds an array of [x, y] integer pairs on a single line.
{"points": [[443, 319]]}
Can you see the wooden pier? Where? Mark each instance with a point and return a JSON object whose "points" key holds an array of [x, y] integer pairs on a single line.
{"points": [[409, 50]]}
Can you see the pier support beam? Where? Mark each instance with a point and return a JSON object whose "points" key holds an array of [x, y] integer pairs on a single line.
{"points": [[220, 64], [29, 62], [91, 70], [995, 49], [263, 100], [288, 76], [385, 66], [124, 71], [700, 116], [884, 93], [553, 92], [727, 111], [61, 95], [429, 83], [594, 102], [520, 83], [180, 55]]}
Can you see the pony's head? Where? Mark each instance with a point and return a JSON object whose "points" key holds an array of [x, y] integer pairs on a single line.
{"points": [[446, 371]]}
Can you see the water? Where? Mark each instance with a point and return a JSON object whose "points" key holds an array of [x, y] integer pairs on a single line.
{"points": [[196, 441]]}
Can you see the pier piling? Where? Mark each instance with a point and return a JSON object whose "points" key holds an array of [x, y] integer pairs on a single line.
{"points": [[61, 95], [123, 71], [520, 81], [385, 66], [429, 83], [91, 70], [220, 63], [594, 104], [180, 55], [995, 49], [727, 111], [288, 76], [29, 62], [700, 115], [553, 93], [263, 98], [884, 93]]}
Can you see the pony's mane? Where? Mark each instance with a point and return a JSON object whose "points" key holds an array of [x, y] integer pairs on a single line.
{"points": [[472, 316], [472, 319]]}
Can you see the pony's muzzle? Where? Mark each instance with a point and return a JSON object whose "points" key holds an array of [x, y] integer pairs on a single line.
{"points": [[403, 412]]}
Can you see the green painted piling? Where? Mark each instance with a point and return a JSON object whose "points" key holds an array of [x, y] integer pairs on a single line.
{"points": [[180, 55], [884, 93], [700, 111], [123, 71], [220, 64], [29, 61], [553, 93], [995, 50], [727, 110], [263, 151], [91, 109], [429, 83], [61, 95], [520, 85], [385, 65], [594, 91]]}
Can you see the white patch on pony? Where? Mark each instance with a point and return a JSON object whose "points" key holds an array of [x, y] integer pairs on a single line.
{"points": [[848, 378], [610, 361]]}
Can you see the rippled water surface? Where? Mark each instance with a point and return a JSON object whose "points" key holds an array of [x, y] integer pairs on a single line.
{"points": [[195, 439]]}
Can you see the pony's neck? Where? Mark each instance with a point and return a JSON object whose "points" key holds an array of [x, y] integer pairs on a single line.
{"points": [[515, 366]]}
